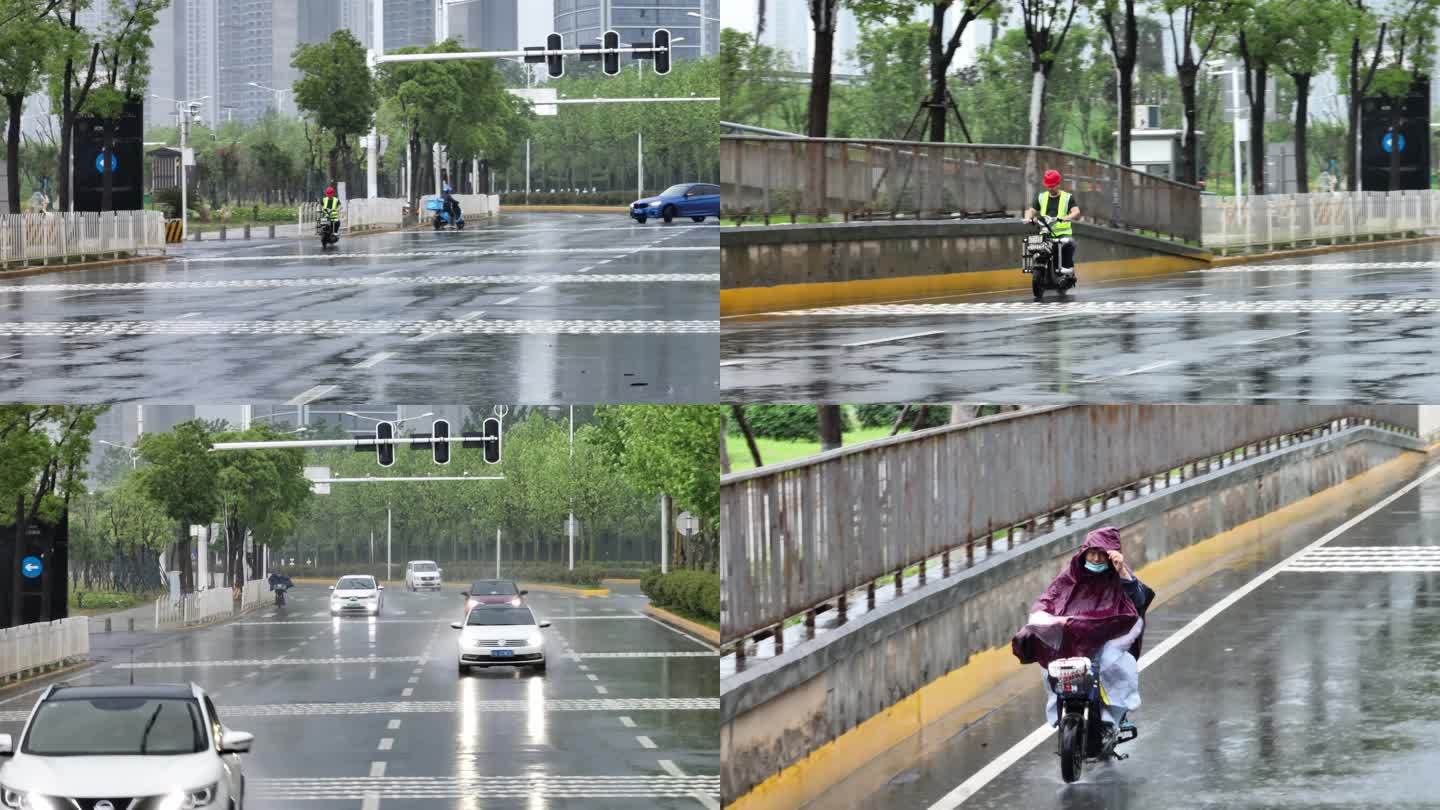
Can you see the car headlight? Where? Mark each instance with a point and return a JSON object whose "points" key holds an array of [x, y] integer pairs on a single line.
{"points": [[373, 596], [515, 602], [536, 640], [189, 799], [25, 800]]}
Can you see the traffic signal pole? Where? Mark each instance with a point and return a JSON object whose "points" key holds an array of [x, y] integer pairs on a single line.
{"points": [[539, 52]]}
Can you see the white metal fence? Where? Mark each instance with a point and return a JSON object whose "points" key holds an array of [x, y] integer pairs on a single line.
{"points": [[31, 647], [26, 238], [211, 604], [1272, 221]]}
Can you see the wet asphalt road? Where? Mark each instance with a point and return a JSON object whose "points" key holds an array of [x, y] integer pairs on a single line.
{"points": [[633, 721], [1316, 689], [526, 308], [1353, 325]]}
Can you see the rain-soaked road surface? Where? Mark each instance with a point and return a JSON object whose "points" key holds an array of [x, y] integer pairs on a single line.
{"points": [[630, 719], [526, 308], [1317, 688], [1361, 325]]}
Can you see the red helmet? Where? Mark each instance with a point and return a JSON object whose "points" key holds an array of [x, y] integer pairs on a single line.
{"points": [[330, 190], [1052, 179]]}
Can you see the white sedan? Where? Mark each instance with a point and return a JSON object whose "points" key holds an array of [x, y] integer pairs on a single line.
{"points": [[500, 635], [356, 593], [156, 746]]}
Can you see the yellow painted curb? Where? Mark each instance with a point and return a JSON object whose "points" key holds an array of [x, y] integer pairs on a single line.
{"points": [[712, 636], [585, 592], [619, 581], [756, 300], [831, 763]]}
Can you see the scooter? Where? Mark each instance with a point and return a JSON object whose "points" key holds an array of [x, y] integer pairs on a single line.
{"points": [[280, 595], [1040, 257], [442, 219], [328, 229], [1084, 734]]}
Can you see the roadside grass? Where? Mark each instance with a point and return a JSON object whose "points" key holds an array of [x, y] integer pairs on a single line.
{"points": [[774, 451], [93, 603]]}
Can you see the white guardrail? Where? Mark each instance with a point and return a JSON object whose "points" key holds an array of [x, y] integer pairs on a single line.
{"points": [[365, 214], [26, 238], [211, 604], [31, 647], [1230, 224]]}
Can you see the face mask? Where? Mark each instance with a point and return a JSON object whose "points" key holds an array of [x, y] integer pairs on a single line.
{"points": [[1096, 568]]}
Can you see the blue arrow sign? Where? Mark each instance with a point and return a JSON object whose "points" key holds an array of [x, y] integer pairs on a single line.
{"points": [[1387, 142], [100, 162], [31, 567]]}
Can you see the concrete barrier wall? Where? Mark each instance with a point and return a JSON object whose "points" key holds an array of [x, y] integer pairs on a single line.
{"points": [[786, 266], [780, 710]]}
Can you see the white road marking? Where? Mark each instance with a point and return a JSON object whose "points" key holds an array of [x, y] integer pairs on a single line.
{"points": [[1200, 295], [68, 297], [624, 789], [375, 360], [666, 654], [386, 743], [646, 742], [102, 329], [371, 800], [627, 722], [407, 692], [312, 257], [893, 339], [405, 707], [704, 644], [90, 288], [602, 690], [1274, 337], [413, 679], [541, 288], [1267, 268], [1000, 764], [392, 725], [1281, 284], [1387, 306], [1055, 317], [725, 363], [189, 315], [250, 662], [512, 299], [706, 799], [377, 769], [592, 676], [1128, 372], [8, 356], [312, 394], [586, 269]]}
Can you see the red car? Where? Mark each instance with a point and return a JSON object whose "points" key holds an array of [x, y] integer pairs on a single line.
{"points": [[493, 592]]}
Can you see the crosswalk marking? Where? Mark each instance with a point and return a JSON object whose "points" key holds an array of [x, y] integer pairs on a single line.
{"points": [[589, 786], [92, 329], [252, 662], [367, 281], [1316, 306], [1368, 560], [1265, 268], [311, 257]]}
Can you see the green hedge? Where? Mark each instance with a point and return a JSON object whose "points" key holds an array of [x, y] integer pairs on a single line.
{"points": [[884, 415], [693, 592], [787, 422]]}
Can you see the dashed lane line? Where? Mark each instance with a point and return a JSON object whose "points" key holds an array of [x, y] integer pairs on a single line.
{"points": [[251, 662], [375, 360], [1268, 268], [627, 722], [392, 725], [706, 799], [578, 656], [407, 691], [1274, 337], [377, 769], [894, 339], [538, 785], [645, 742], [364, 281], [1128, 372], [512, 299], [337, 328], [386, 743]]}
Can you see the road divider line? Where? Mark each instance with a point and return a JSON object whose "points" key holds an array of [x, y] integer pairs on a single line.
{"points": [[985, 775], [387, 743], [877, 341], [312, 394], [453, 254], [377, 769], [602, 690], [392, 725], [1274, 337], [407, 692], [646, 742], [371, 801], [541, 288], [627, 722], [375, 360], [1128, 372]]}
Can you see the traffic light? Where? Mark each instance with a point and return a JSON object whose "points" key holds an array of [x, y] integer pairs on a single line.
{"points": [[662, 56], [491, 431], [612, 53], [440, 441], [555, 62], [384, 453]]}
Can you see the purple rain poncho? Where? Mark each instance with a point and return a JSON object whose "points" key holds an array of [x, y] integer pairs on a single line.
{"points": [[1099, 608]]}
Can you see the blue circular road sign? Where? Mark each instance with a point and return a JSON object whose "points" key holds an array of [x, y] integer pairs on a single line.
{"points": [[100, 162], [1387, 142], [31, 567]]}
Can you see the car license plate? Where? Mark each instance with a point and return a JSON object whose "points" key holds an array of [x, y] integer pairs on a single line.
{"points": [[502, 653]]}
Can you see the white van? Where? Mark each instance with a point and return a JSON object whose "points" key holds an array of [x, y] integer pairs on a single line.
{"points": [[422, 574]]}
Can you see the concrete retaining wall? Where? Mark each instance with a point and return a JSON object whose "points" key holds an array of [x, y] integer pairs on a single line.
{"points": [[780, 710], [783, 266]]}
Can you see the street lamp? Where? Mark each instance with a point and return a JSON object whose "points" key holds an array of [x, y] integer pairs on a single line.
{"points": [[392, 421], [188, 111], [1214, 64], [279, 95], [570, 526], [703, 19]]}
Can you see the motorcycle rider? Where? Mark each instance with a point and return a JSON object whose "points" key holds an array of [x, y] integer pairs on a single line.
{"points": [[1094, 609], [330, 207], [1060, 204], [452, 206], [279, 583]]}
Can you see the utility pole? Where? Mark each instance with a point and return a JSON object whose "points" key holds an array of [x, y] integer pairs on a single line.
{"points": [[497, 552], [387, 543], [571, 525], [377, 48]]}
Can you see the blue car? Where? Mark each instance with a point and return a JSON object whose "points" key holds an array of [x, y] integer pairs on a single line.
{"points": [[694, 200]]}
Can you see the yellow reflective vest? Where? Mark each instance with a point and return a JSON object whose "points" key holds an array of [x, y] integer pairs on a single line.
{"points": [[1048, 208]]}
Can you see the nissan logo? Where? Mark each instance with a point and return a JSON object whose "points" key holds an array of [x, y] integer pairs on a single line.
{"points": [[104, 804]]}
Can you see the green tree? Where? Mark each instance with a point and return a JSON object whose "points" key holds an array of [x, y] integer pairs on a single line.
{"points": [[27, 38], [1194, 24], [261, 492], [1045, 36], [182, 475], [125, 71], [335, 88], [891, 57]]}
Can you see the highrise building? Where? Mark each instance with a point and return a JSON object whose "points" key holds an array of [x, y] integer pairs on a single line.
{"points": [[409, 22], [487, 25], [787, 28], [581, 22], [258, 39]]}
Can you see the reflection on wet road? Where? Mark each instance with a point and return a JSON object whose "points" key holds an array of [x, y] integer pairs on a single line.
{"points": [[358, 712], [1356, 325], [527, 308], [1314, 687]]}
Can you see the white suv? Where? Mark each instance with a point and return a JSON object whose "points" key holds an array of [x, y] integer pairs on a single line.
{"points": [[422, 574], [99, 747]]}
